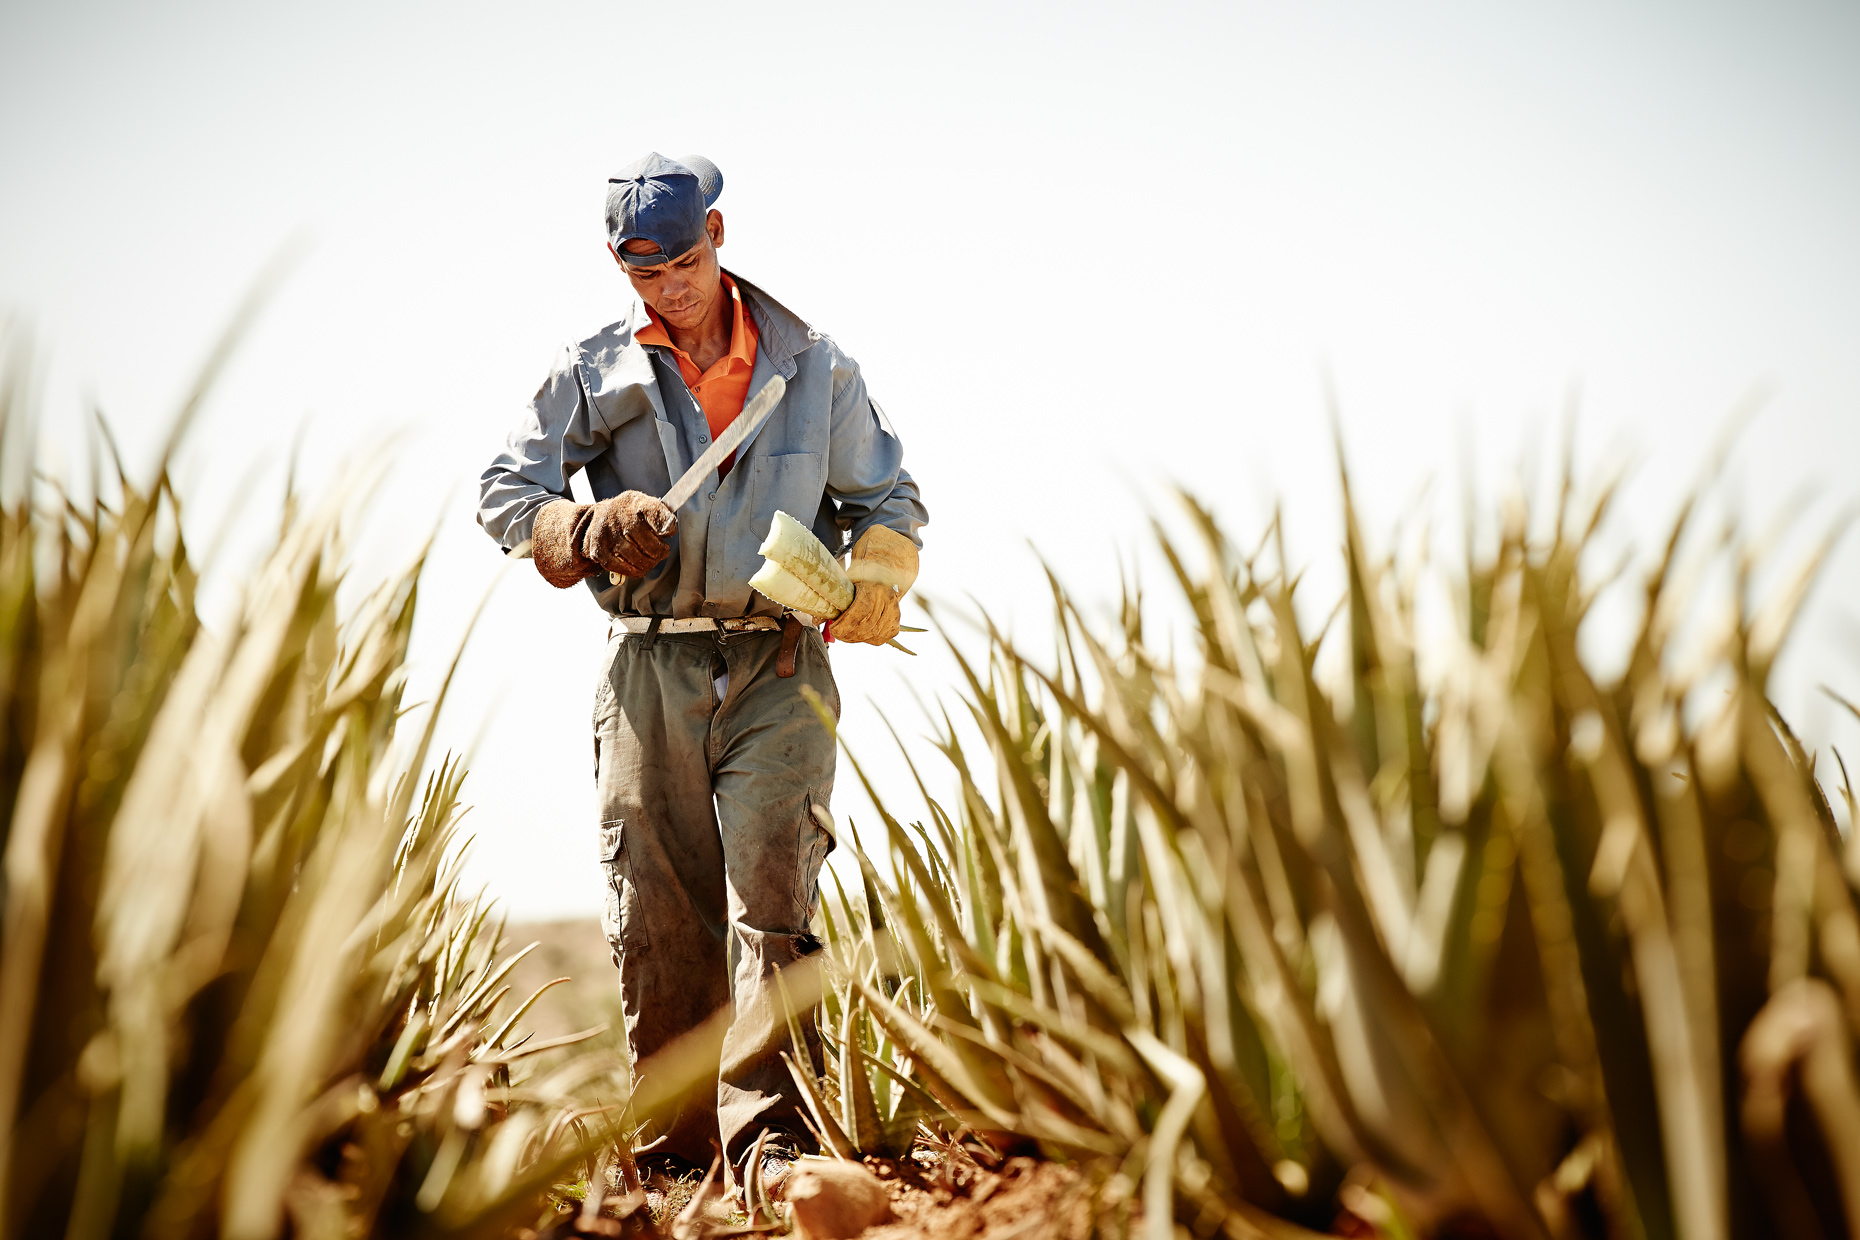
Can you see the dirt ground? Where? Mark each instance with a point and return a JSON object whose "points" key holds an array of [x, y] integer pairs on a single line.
{"points": [[933, 1197], [1025, 1200]]}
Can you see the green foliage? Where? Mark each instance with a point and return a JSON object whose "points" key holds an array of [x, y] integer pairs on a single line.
{"points": [[240, 993], [1500, 947]]}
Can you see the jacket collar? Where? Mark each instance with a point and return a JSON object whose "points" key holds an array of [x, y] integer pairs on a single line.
{"points": [[784, 334]]}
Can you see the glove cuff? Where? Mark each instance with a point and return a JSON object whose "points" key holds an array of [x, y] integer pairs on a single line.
{"points": [[884, 556], [555, 543]]}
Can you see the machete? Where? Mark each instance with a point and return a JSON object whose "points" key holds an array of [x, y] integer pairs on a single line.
{"points": [[754, 414]]}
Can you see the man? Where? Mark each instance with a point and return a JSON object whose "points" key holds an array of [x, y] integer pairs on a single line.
{"points": [[709, 762]]}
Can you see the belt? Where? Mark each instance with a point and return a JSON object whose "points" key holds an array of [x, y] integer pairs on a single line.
{"points": [[704, 624]]}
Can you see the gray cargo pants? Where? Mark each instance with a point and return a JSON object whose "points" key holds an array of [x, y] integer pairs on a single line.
{"points": [[712, 857]]}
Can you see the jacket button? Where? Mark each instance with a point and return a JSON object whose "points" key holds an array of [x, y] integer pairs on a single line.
{"points": [[703, 438], [712, 495]]}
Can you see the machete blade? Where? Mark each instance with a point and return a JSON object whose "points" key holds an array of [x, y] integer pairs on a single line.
{"points": [[754, 414]]}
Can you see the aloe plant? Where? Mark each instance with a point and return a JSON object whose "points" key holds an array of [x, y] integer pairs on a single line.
{"points": [[241, 993], [1497, 946]]}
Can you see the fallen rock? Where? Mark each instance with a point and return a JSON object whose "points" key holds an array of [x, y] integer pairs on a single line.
{"points": [[835, 1200]]}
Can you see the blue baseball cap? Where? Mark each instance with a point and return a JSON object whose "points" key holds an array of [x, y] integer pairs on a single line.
{"points": [[663, 201]]}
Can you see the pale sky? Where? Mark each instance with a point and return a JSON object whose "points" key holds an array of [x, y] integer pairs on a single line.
{"points": [[1082, 252]]}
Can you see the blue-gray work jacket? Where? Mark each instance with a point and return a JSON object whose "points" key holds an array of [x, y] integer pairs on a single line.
{"points": [[621, 410]]}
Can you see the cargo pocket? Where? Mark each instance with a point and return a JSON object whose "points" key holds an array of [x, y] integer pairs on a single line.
{"points": [[622, 919], [814, 845]]}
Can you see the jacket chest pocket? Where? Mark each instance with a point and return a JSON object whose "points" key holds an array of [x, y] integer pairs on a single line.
{"points": [[793, 482], [623, 916]]}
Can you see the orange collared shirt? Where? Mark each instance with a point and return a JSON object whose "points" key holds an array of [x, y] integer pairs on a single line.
{"points": [[722, 389]]}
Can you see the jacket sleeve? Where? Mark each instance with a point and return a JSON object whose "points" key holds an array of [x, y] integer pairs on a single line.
{"points": [[559, 434], [866, 477]]}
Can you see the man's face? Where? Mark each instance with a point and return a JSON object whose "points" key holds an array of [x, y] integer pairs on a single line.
{"points": [[683, 292]]}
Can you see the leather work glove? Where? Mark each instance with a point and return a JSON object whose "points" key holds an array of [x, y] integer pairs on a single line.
{"points": [[625, 534], [883, 567], [555, 543], [873, 617]]}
